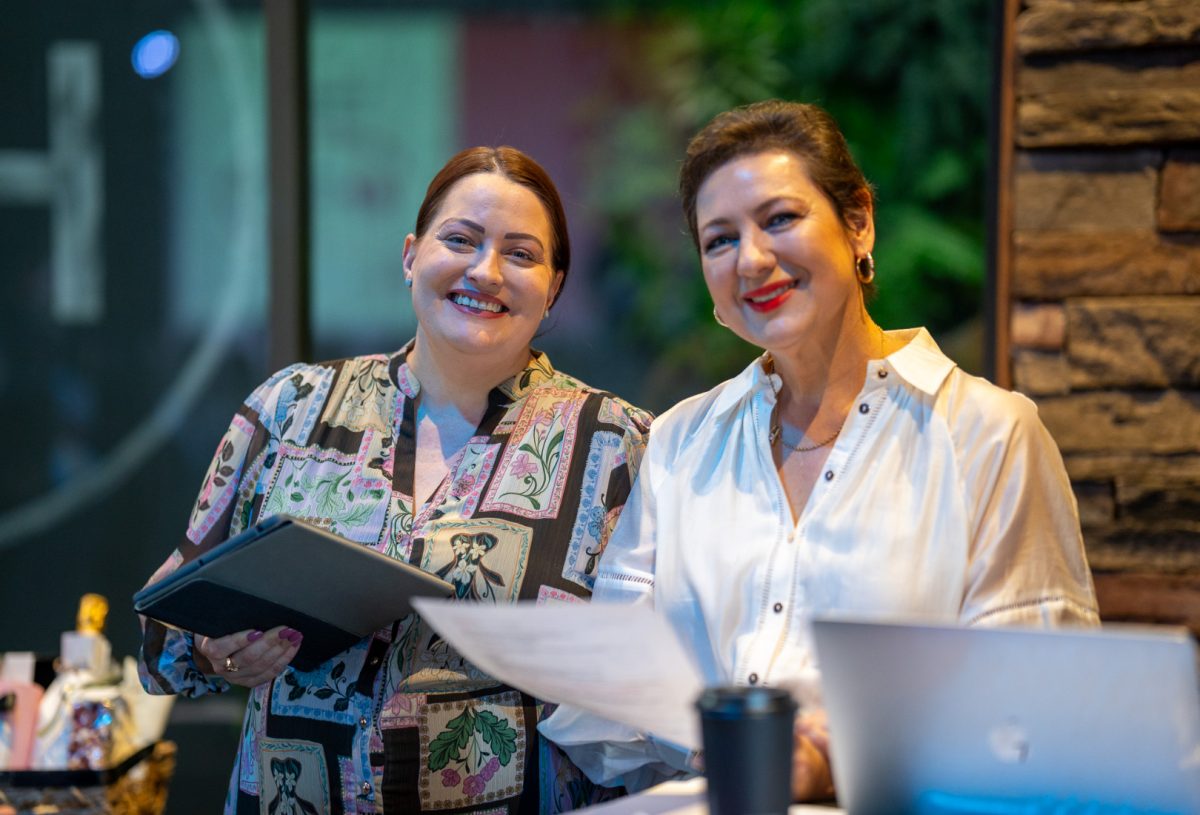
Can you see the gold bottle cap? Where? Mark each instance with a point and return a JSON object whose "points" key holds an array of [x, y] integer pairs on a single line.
{"points": [[93, 610]]}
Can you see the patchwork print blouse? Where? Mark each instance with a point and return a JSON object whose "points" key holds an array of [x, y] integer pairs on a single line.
{"points": [[400, 722]]}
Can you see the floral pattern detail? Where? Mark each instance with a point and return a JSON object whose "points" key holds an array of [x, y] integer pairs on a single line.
{"points": [[397, 537], [220, 483], [328, 693], [532, 471], [334, 686], [251, 731], [474, 749], [467, 739], [457, 552], [363, 396], [351, 789], [323, 487], [549, 594], [401, 710], [471, 474], [468, 564], [594, 522], [421, 659]]}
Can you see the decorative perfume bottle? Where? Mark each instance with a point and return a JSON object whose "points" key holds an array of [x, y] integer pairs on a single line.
{"points": [[84, 720]]}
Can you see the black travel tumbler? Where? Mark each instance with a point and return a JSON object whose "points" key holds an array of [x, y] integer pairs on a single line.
{"points": [[747, 734]]}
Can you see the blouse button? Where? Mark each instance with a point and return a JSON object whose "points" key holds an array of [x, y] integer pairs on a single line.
{"points": [[829, 475], [365, 789], [883, 373], [362, 722], [778, 607], [752, 679], [374, 660], [864, 408]]}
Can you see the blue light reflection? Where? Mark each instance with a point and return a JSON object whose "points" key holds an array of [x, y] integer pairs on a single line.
{"points": [[155, 53]]}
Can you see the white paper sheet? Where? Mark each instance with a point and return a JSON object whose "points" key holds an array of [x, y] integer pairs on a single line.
{"points": [[620, 662]]}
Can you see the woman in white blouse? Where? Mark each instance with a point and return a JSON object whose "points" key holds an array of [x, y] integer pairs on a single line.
{"points": [[847, 470]]}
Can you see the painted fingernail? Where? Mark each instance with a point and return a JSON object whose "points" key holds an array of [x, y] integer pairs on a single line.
{"points": [[286, 634], [254, 636], [296, 637]]}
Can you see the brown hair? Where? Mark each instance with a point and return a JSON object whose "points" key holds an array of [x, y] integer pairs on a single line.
{"points": [[517, 167], [806, 130]]}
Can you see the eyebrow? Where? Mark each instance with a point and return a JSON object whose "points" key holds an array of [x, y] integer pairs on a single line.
{"points": [[713, 222], [468, 224], [765, 205], [474, 227], [524, 236]]}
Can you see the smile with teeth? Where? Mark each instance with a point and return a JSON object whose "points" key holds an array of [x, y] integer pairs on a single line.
{"points": [[478, 305], [768, 293]]}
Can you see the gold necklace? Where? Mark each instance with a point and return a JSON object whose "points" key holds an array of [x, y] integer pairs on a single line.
{"points": [[777, 436]]}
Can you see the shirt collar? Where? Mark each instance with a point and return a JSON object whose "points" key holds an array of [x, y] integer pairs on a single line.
{"points": [[920, 363], [754, 379], [537, 371]]}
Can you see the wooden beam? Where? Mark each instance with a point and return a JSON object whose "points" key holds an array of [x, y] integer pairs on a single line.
{"points": [[290, 338], [998, 308]]}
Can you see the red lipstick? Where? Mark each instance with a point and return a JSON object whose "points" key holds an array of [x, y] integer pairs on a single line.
{"points": [[769, 297]]}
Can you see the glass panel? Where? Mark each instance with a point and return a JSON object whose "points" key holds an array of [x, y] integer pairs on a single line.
{"points": [[131, 304], [382, 124]]}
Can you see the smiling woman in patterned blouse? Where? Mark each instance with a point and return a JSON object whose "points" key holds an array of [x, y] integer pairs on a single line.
{"points": [[464, 453]]}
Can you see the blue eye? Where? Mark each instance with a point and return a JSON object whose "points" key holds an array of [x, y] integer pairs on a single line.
{"points": [[458, 242], [720, 241], [781, 219]]}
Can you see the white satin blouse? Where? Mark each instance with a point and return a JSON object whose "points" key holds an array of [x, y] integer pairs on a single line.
{"points": [[943, 499]]}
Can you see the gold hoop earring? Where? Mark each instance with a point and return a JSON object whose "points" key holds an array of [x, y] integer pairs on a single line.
{"points": [[717, 317], [864, 267]]}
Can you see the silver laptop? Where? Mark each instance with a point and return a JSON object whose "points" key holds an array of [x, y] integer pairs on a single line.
{"points": [[929, 719]]}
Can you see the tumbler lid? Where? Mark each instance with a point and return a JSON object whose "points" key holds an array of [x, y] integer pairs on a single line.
{"points": [[731, 701]]}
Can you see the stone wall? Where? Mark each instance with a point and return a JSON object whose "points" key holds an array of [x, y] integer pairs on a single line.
{"points": [[1104, 280]]}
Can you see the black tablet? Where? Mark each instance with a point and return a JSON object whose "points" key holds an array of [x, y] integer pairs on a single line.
{"points": [[284, 571]]}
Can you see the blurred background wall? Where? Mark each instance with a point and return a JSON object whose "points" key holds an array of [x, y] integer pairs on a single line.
{"points": [[133, 218]]}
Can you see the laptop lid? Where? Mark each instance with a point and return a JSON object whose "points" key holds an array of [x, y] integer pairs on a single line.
{"points": [[936, 719]]}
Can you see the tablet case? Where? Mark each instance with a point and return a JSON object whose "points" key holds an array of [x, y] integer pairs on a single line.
{"points": [[284, 571]]}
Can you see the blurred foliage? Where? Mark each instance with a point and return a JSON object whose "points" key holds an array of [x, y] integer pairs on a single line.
{"points": [[909, 83]]}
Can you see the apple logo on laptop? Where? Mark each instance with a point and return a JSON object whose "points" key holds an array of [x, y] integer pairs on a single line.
{"points": [[1009, 743]]}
